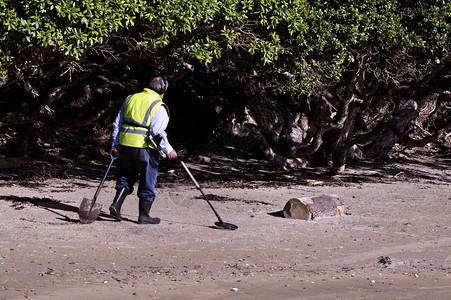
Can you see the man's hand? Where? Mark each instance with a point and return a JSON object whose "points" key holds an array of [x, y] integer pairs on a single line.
{"points": [[172, 154], [115, 150]]}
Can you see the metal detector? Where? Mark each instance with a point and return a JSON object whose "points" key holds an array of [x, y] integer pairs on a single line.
{"points": [[181, 155]]}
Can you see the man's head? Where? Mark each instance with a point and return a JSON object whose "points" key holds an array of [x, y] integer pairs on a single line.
{"points": [[159, 85]]}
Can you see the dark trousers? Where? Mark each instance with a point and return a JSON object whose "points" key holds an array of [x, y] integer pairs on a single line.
{"points": [[138, 164]]}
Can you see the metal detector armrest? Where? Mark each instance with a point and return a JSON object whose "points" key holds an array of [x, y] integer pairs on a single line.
{"points": [[155, 144]]}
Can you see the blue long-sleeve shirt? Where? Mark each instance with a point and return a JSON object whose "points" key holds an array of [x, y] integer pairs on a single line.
{"points": [[158, 126]]}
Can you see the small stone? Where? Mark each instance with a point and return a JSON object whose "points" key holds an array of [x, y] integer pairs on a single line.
{"points": [[235, 289]]}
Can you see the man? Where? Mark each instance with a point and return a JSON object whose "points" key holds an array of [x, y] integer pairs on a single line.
{"points": [[141, 113]]}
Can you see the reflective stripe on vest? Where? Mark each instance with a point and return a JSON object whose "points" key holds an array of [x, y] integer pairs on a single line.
{"points": [[139, 111]]}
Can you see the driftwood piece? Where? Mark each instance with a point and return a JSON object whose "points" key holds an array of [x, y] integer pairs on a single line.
{"points": [[314, 207]]}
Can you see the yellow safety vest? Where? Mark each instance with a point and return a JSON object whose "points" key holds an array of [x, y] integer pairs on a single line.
{"points": [[139, 111]]}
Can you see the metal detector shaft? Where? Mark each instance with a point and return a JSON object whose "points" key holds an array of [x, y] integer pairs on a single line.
{"points": [[202, 192]]}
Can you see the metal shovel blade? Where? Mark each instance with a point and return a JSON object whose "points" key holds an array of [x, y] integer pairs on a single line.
{"points": [[88, 214]]}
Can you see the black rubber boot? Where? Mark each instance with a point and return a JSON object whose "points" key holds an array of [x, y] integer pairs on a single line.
{"points": [[115, 208], [144, 208]]}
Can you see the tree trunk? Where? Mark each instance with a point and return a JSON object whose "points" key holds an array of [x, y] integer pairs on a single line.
{"points": [[380, 147], [341, 136]]}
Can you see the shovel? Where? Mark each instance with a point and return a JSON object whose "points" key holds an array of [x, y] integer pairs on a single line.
{"points": [[89, 210]]}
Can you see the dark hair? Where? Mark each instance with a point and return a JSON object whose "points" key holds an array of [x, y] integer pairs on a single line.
{"points": [[159, 85]]}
